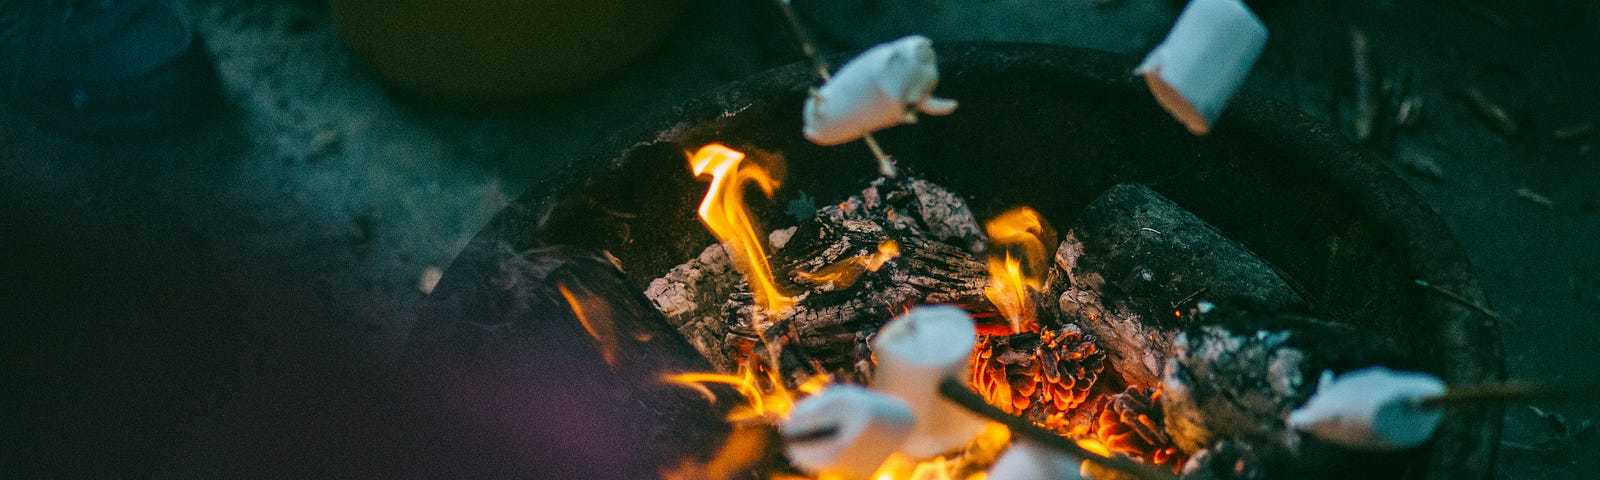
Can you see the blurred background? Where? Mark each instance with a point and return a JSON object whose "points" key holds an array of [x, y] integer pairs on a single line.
{"points": [[217, 216]]}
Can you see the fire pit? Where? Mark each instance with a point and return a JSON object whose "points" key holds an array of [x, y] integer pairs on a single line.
{"points": [[1046, 127]]}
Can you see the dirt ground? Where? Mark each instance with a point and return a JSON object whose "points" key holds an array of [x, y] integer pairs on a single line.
{"points": [[202, 303]]}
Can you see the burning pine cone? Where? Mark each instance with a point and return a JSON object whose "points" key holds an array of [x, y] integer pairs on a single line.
{"points": [[1069, 363], [1004, 370], [1040, 374], [1130, 423]]}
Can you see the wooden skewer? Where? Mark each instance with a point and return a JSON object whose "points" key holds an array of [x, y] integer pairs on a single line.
{"points": [[809, 49], [1465, 301], [1514, 391], [956, 391]]}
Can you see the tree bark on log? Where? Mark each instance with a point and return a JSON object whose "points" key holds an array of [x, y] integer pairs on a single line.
{"points": [[1135, 260]]}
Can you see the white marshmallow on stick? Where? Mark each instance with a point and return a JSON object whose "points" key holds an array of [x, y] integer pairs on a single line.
{"points": [[1025, 460], [885, 86], [1203, 61], [845, 431], [915, 352], [1372, 409]]}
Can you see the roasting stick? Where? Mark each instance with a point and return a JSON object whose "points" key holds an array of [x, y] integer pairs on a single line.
{"points": [[956, 391], [809, 49], [1377, 408], [1512, 391], [1458, 298]]}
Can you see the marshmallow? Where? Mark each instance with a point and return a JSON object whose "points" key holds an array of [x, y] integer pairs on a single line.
{"points": [[1371, 409], [1204, 61], [845, 431], [883, 87], [916, 352]]}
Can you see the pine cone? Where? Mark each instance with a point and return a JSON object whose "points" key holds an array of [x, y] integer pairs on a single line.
{"points": [[1005, 372], [1040, 375], [1130, 423], [1069, 363]]}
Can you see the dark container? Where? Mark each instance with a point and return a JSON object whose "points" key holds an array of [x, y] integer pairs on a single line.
{"points": [[1049, 127]]}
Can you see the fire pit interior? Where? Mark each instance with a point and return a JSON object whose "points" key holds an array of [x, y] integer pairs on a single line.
{"points": [[1048, 128]]}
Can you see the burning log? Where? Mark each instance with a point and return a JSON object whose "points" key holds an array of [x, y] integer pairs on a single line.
{"points": [[1240, 371], [1134, 259], [850, 268]]}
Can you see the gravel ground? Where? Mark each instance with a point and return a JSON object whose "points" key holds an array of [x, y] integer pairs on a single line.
{"points": [[203, 303]]}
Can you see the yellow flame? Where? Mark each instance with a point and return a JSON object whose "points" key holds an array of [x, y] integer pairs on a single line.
{"points": [[767, 401], [723, 211], [844, 273], [1019, 246], [765, 394], [1094, 446]]}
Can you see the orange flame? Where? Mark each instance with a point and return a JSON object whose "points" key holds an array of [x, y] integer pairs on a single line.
{"points": [[764, 393], [1019, 254], [767, 400], [600, 329], [723, 211]]}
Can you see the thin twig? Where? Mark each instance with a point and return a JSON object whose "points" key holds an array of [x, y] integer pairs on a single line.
{"points": [[809, 49], [1492, 393], [1465, 301], [957, 392], [1192, 296]]}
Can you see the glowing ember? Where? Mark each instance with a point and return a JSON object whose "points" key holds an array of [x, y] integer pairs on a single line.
{"points": [[1131, 423], [724, 213], [1019, 254]]}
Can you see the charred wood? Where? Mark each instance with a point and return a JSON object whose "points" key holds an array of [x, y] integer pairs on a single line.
{"points": [[1135, 260], [1239, 371], [850, 268]]}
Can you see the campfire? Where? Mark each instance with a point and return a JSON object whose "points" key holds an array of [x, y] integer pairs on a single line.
{"points": [[1012, 302], [1074, 344], [1089, 345]]}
